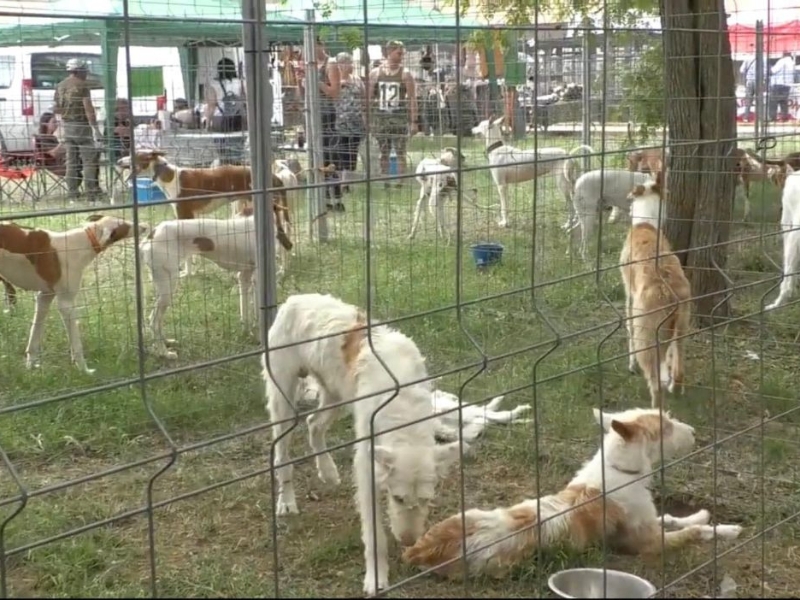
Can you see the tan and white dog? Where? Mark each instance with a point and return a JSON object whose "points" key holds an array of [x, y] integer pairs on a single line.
{"points": [[229, 243], [51, 263], [608, 498], [183, 185], [657, 294]]}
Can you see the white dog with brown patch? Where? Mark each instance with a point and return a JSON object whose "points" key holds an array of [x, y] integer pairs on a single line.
{"points": [[510, 165], [406, 460], [609, 497], [228, 243], [437, 180], [51, 263], [657, 294]]}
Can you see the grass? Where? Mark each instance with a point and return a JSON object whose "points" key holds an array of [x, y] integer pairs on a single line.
{"points": [[560, 345]]}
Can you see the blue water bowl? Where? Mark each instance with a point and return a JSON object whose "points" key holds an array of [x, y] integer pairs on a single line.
{"points": [[147, 191], [486, 253]]}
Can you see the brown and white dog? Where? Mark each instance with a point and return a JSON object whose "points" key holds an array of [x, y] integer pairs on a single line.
{"points": [[51, 263], [183, 185], [229, 243], [647, 160], [657, 294]]}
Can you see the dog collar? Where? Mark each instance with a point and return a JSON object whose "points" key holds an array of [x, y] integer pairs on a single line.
{"points": [[93, 240], [494, 146], [626, 471]]}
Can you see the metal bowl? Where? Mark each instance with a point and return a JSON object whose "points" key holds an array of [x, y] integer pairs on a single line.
{"points": [[588, 583]]}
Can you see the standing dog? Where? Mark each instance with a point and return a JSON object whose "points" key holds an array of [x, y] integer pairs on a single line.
{"points": [[183, 185], [790, 223], [598, 188], [319, 335], [436, 178], [510, 165], [229, 243], [657, 295], [51, 263]]}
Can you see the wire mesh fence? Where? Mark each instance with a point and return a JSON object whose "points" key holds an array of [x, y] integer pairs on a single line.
{"points": [[431, 173]]}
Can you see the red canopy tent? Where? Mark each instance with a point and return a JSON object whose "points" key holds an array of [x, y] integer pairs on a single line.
{"points": [[777, 38]]}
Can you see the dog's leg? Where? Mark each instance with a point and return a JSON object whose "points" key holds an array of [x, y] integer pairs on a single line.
{"points": [[377, 565], [791, 263], [66, 306], [318, 424], [245, 279], [417, 212], [502, 189], [629, 326], [165, 282], [651, 543], [283, 413], [701, 517], [43, 302]]}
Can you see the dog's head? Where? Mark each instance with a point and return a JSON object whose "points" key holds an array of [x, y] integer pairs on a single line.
{"points": [[409, 474], [652, 189], [150, 163], [633, 438], [452, 158], [489, 128], [104, 230]]}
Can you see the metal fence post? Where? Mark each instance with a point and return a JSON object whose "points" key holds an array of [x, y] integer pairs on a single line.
{"points": [[760, 122], [259, 120]]}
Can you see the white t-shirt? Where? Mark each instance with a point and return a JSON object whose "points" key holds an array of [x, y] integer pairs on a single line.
{"points": [[233, 86], [783, 72]]}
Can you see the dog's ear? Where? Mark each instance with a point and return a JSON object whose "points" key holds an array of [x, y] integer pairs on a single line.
{"points": [[605, 419], [499, 121], [93, 218], [788, 169]]}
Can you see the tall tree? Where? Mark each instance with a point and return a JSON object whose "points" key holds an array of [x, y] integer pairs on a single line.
{"points": [[701, 109]]}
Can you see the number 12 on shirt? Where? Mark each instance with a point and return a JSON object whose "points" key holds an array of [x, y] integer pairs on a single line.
{"points": [[388, 95]]}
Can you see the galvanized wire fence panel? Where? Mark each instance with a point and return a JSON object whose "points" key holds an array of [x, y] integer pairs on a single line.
{"points": [[156, 474]]}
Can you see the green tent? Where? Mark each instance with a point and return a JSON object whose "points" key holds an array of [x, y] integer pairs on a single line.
{"points": [[184, 25], [386, 20]]}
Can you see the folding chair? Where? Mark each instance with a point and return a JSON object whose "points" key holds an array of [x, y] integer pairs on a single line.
{"points": [[52, 168], [17, 177]]}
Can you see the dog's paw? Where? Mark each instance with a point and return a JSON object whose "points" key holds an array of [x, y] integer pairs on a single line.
{"points": [[286, 507], [369, 585], [728, 532], [633, 368], [772, 306], [327, 471], [502, 223]]}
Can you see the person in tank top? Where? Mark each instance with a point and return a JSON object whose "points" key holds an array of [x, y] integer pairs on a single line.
{"points": [[392, 95]]}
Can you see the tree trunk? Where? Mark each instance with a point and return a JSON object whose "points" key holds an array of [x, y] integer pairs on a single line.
{"points": [[701, 110]]}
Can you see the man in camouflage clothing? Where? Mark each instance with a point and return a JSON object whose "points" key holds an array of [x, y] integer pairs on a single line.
{"points": [[73, 104], [391, 91]]}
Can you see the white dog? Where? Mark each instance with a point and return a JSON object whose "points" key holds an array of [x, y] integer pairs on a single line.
{"points": [[229, 243], [51, 263], [511, 165], [790, 223], [609, 497], [407, 461], [474, 417], [598, 188], [437, 179]]}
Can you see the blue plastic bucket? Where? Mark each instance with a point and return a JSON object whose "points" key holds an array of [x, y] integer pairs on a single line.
{"points": [[147, 191], [393, 164], [486, 253]]}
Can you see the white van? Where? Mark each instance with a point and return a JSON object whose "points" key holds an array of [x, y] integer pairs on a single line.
{"points": [[29, 75]]}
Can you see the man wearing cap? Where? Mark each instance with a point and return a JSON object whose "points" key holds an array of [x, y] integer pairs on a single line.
{"points": [[73, 104], [391, 88]]}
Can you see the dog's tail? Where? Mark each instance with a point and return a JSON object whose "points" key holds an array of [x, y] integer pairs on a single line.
{"points": [[572, 166], [660, 363], [490, 540]]}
